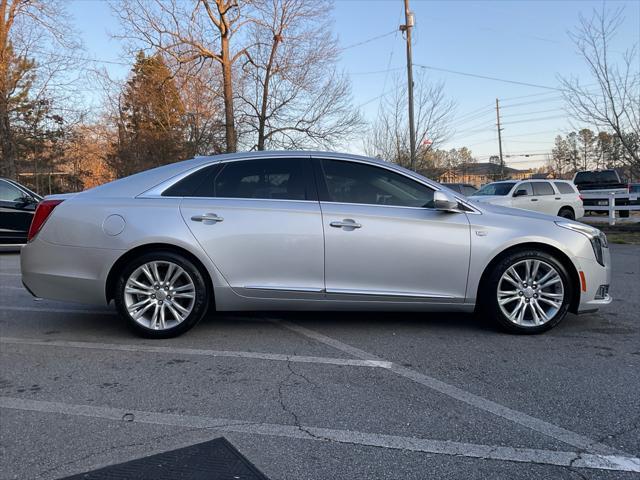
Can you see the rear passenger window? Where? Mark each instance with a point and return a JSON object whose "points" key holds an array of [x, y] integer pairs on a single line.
{"points": [[564, 187], [542, 188], [277, 179], [468, 191]]}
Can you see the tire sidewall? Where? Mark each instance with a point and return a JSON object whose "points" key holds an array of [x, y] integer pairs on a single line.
{"points": [[200, 305], [491, 298]]}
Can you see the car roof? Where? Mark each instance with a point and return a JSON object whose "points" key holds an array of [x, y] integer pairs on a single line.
{"points": [[151, 179]]}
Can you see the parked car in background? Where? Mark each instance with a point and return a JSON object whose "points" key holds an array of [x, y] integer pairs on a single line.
{"points": [[602, 182], [307, 231], [553, 197], [465, 189], [17, 207]]}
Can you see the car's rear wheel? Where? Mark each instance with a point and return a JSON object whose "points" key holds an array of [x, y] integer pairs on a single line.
{"points": [[161, 294], [527, 292], [566, 212]]}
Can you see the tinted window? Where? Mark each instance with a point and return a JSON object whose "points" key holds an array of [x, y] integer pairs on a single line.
{"points": [[496, 189], [604, 176], [469, 190], [280, 179], [9, 193], [350, 182], [543, 188], [564, 187], [198, 184], [635, 188]]}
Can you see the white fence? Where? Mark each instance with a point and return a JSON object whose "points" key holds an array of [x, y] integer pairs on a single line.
{"points": [[611, 206]]}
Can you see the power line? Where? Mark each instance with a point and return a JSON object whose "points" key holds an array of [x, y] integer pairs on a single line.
{"points": [[368, 40], [552, 117], [485, 77], [535, 112]]}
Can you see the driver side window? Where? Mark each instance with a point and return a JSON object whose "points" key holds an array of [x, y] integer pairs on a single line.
{"points": [[352, 182], [524, 186]]}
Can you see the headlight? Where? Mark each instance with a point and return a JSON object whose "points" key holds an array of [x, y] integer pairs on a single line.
{"points": [[597, 238]]}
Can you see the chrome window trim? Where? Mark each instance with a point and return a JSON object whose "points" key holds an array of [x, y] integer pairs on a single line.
{"points": [[158, 190]]}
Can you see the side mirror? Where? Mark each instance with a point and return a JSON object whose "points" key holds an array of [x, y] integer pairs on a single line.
{"points": [[25, 201], [520, 193], [445, 202]]}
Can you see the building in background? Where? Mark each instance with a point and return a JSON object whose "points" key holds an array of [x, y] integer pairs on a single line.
{"points": [[480, 173]]}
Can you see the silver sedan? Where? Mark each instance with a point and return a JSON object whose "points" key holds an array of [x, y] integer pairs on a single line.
{"points": [[307, 231]]}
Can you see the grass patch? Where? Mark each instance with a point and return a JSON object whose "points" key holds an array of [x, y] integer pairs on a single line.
{"points": [[625, 238]]}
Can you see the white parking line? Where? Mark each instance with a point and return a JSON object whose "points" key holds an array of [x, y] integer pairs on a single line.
{"points": [[10, 274], [567, 436], [443, 447], [350, 362]]}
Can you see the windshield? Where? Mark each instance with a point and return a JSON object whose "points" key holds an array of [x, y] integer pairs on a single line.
{"points": [[606, 176], [502, 188]]}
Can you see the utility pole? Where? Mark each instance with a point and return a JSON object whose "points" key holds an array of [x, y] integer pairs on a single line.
{"points": [[500, 140], [406, 28]]}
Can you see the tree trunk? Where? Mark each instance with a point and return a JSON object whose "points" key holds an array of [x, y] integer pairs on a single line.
{"points": [[7, 145], [265, 93], [227, 79]]}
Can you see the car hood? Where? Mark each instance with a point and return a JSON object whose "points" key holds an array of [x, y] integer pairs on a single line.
{"points": [[515, 212]]}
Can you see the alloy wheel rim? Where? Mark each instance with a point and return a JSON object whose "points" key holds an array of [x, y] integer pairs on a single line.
{"points": [[530, 293], [159, 295]]}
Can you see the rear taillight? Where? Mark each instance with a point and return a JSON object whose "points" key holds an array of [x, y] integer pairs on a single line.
{"points": [[43, 211]]}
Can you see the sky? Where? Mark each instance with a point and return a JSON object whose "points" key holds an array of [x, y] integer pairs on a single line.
{"points": [[519, 41]]}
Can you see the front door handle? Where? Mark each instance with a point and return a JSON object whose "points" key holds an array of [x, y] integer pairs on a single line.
{"points": [[208, 218], [534, 199], [347, 224]]}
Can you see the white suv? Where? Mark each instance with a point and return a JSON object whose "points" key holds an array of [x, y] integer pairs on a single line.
{"points": [[553, 197]]}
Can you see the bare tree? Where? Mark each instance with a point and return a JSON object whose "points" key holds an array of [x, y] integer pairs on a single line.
{"points": [[614, 103], [192, 34], [35, 42], [292, 94], [389, 135]]}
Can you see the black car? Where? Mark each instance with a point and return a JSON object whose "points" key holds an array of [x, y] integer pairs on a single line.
{"points": [[17, 206], [464, 188]]}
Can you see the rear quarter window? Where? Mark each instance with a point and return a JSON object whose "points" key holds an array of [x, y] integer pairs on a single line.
{"points": [[564, 187], [542, 188]]}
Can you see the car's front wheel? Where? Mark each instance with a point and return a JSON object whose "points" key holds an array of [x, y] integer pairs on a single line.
{"points": [[161, 294], [527, 292]]}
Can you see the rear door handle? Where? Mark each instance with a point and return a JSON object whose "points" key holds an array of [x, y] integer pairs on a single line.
{"points": [[558, 198], [347, 224], [207, 218], [534, 199]]}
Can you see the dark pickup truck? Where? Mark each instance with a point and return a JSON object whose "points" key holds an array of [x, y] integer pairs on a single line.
{"points": [[601, 182]]}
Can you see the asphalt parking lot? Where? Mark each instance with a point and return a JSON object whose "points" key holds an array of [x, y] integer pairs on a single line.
{"points": [[325, 395]]}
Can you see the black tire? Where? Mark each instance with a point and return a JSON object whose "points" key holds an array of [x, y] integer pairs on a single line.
{"points": [[567, 212], [488, 300], [200, 303]]}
